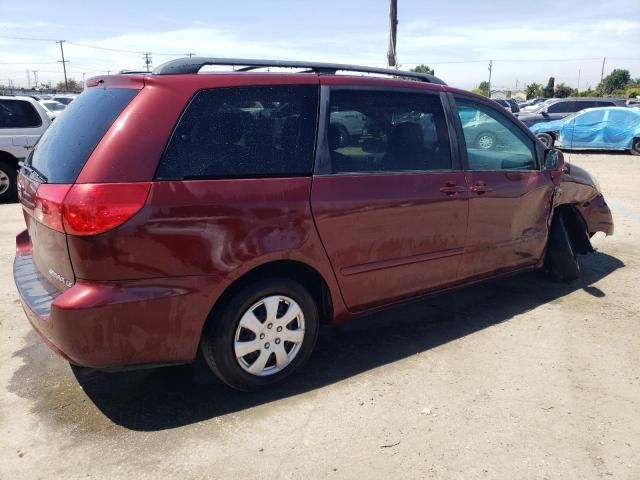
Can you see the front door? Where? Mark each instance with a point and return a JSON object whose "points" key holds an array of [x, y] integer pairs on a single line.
{"points": [[509, 197], [390, 205]]}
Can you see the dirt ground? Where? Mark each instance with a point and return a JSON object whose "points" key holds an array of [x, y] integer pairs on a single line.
{"points": [[515, 379]]}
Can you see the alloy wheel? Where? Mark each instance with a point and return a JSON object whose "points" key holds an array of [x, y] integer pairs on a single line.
{"points": [[5, 182], [485, 142]]}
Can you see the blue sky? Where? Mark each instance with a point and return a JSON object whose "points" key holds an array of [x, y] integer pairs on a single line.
{"points": [[528, 41]]}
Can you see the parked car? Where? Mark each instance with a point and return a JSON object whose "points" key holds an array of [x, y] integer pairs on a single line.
{"points": [[503, 103], [533, 104], [53, 108], [167, 220], [64, 99], [609, 128], [22, 121], [561, 107], [515, 108], [508, 103]]}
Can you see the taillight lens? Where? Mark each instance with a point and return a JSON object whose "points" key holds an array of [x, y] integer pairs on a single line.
{"points": [[48, 203], [90, 209]]}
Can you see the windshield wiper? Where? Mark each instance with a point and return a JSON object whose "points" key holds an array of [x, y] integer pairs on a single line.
{"points": [[33, 172]]}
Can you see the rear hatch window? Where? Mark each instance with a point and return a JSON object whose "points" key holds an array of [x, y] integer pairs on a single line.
{"points": [[67, 144]]}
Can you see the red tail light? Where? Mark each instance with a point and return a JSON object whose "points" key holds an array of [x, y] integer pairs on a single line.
{"points": [[48, 204], [88, 209]]}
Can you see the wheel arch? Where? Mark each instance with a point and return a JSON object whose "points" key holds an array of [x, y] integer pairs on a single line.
{"points": [[576, 227], [9, 158], [295, 270]]}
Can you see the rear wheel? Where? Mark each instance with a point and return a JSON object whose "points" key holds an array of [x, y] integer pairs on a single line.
{"points": [[8, 186], [561, 262], [635, 147], [546, 139], [263, 334]]}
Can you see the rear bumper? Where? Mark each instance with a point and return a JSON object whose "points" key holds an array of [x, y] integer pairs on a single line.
{"points": [[117, 324]]}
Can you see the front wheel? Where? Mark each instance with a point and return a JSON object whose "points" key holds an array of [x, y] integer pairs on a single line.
{"points": [[561, 262], [486, 141], [262, 335], [635, 147], [546, 138]]}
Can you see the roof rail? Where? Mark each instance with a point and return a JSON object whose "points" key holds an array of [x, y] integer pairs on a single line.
{"points": [[194, 64]]}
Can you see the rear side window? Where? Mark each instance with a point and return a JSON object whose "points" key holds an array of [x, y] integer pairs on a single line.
{"points": [[67, 144], [18, 114], [563, 107], [382, 131], [262, 131]]}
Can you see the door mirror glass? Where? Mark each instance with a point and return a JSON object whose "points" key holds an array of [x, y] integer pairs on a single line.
{"points": [[554, 160]]}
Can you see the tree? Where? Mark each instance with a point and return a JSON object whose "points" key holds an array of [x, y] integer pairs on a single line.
{"points": [[564, 91], [633, 92], [483, 89], [616, 80], [550, 88], [589, 92], [534, 90], [74, 86], [422, 69]]}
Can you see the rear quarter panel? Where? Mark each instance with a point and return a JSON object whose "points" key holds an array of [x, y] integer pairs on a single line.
{"points": [[217, 228]]}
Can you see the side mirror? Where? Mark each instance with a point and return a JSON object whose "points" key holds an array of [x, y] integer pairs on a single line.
{"points": [[554, 160]]}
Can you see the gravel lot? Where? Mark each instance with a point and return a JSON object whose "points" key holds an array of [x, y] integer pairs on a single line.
{"points": [[514, 379]]}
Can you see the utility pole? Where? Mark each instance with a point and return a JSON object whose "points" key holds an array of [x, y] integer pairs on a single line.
{"points": [[490, 70], [602, 72], [147, 60], [28, 79], [190, 54], [64, 65], [35, 78], [392, 55], [84, 85]]}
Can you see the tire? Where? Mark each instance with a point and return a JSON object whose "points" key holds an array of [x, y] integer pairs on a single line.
{"points": [[225, 335], [635, 146], [547, 139], [561, 263], [486, 141], [8, 185]]}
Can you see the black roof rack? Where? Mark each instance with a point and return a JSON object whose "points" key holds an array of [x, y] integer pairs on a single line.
{"points": [[194, 64]]}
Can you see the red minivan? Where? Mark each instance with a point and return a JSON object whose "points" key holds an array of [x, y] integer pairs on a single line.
{"points": [[234, 212]]}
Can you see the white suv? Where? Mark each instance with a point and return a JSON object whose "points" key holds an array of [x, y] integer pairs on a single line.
{"points": [[22, 121]]}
